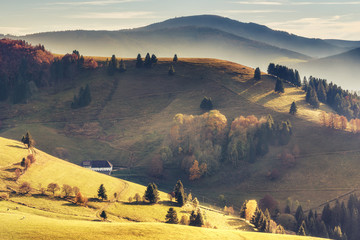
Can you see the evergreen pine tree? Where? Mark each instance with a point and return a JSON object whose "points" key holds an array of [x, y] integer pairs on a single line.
{"points": [[199, 220], [243, 210], [299, 215], [287, 209], [297, 79], [321, 93], [151, 193], [171, 216], [175, 59], [279, 87], [103, 215], [102, 192], [112, 65], [154, 59], [179, 193], [271, 69], [293, 108], [192, 220], [147, 61], [139, 61], [257, 74], [305, 85]]}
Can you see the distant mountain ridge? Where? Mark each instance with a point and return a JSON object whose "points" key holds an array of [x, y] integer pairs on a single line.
{"points": [[308, 46], [187, 41]]}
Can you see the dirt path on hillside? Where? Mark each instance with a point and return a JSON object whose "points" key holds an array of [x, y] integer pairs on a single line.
{"points": [[126, 186]]}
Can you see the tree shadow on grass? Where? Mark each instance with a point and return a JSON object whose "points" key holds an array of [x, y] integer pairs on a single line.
{"points": [[268, 98], [169, 203], [138, 203], [16, 146]]}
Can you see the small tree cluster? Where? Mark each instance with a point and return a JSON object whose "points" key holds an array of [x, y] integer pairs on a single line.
{"points": [[25, 188], [335, 121], [83, 99], [287, 74], [196, 219], [206, 104]]}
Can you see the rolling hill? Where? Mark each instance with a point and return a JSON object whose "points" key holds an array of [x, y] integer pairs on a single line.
{"points": [[39, 216], [131, 114]]}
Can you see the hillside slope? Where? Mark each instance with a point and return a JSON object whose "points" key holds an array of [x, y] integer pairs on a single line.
{"points": [[130, 118]]}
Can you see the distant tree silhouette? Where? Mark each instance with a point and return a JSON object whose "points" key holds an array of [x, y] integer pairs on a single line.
{"points": [[28, 140], [147, 61], [112, 65], [257, 74], [279, 87], [206, 103], [139, 61], [293, 108], [175, 59], [83, 99], [154, 59], [171, 216]]}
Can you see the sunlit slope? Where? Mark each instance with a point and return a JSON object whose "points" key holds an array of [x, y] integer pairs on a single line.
{"points": [[48, 169], [14, 225]]}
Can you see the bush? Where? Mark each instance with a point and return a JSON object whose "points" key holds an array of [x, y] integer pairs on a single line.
{"points": [[25, 188], [288, 221], [31, 158], [80, 199]]}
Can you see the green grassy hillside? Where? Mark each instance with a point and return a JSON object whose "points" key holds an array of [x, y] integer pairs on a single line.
{"points": [[38, 216], [131, 114]]}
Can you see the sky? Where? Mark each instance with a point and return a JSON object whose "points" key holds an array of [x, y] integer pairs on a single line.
{"points": [[331, 19]]}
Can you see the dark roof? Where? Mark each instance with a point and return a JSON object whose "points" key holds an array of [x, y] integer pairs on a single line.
{"points": [[100, 164], [86, 163]]}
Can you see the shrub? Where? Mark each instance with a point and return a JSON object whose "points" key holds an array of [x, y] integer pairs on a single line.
{"points": [[31, 158], [80, 199], [25, 188]]}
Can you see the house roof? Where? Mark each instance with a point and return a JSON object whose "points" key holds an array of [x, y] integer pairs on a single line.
{"points": [[100, 164]]}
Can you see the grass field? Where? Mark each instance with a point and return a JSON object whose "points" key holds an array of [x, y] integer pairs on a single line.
{"points": [[131, 114], [38, 216], [20, 225]]}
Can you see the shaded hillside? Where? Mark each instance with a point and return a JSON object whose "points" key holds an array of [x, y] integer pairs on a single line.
{"points": [[344, 43], [343, 69], [188, 41], [308, 46]]}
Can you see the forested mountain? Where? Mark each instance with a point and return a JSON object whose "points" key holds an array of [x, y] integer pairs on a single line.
{"points": [[308, 46]]}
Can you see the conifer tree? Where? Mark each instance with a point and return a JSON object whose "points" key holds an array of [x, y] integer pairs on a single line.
{"points": [[257, 74], [293, 108], [243, 210], [103, 215], [28, 140], [139, 61], [279, 87], [299, 215], [102, 192], [175, 59], [171, 216], [154, 59], [151, 193], [179, 193], [199, 220], [206, 103], [147, 61], [321, 93], [112, 65]]}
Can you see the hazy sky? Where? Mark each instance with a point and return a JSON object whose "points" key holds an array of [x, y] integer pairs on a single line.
{"points": [[323, 18]]}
